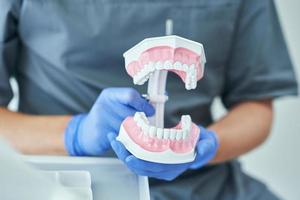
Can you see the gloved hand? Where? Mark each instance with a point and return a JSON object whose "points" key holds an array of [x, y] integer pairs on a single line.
{"points": [[86, 134], [206, 149]]}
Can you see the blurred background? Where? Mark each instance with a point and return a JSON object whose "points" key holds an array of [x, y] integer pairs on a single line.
{"points": [[277, 162]]}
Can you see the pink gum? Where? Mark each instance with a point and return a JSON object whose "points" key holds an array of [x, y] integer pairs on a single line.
{"points": [[154, 144], [164, 53]]}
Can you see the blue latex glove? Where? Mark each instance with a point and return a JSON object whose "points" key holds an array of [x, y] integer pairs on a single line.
{"points": [[206, 149], [86, 134]]}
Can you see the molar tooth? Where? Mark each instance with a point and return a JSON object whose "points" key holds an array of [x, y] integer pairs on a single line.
{"points": [[172, 134], [178, 135], [188, 85], [194, 84], [152, 131], [187, 81], [166, 133], [192, 66], [141, 82], [159, 133], [137, 78]]}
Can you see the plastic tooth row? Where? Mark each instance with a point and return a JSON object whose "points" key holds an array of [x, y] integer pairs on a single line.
{"points": [[191, 81], [160, 133]]}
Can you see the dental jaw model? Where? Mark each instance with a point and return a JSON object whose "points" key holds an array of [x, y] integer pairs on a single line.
{"points": [[151, 59]]}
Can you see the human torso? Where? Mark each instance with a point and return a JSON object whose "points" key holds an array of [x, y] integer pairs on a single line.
{"points": [[71, 50]]}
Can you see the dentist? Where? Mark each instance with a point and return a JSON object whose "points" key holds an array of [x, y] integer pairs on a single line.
{"points": [[74, 92]]}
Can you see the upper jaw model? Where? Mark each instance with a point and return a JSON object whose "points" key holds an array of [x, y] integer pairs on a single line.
{"points": [[172, 53], [150, 60]]}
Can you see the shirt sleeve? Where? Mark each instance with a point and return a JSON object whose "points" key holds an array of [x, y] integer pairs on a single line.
{"points": [[259, 66], [8, 47]]}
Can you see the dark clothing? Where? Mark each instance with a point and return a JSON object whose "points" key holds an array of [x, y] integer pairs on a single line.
{"points": [[64, 52]]}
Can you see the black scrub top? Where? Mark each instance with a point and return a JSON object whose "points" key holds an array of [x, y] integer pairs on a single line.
{"points": [[64, 52]]}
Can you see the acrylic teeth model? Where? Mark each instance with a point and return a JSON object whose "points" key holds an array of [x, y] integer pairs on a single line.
{"points": [[151, 59], [172, 53]]}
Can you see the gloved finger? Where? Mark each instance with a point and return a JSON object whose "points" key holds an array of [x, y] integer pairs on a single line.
{"points": [[133, 98], [125, 112], [206, 145], [114, 123], [118, 147], [206, 149], [116, 117], [207, 134], [154, 167]]}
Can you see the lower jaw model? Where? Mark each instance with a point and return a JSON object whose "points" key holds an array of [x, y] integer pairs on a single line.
{"points": [[151, 59]]}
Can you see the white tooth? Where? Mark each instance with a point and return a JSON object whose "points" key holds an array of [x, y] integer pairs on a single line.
{"points": [[178, 135], [158, 65], [145, 129], [140, 122], [187, 85], [185, 118], [168, 64], [191, 73], [172, 134], [177, 65], [194, 84], [166, 133], [160, 133], [142, 115], [151, 66], [147, 77], [186, 122], [187, 80], [185, 134], [137, 78], [185, 67], [144, 118], [192, 66], [152, 131], [144, 74], [141, 82], [148, 68], [135, 117]]}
